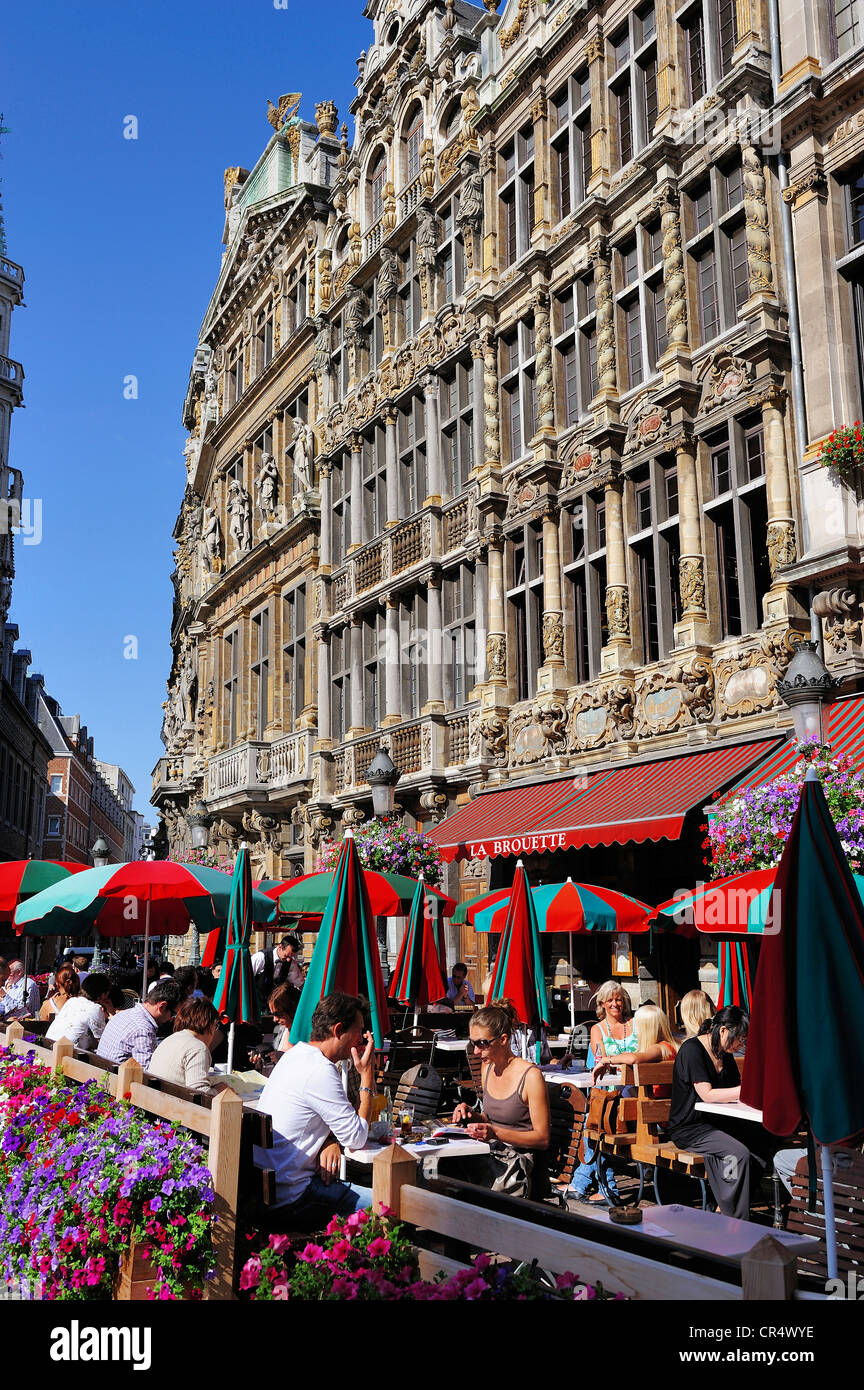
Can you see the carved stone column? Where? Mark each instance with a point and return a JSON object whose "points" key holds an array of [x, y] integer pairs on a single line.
{"points": [[543, 365], [390, 415], [433, 442], [477, 420], [325, 542], [491, 456], [782, 548], [599, 130], [325, 734], [607, 370], [357, 693], [355, 443], [496, 639], [434, 652], [693, 627], [617, 652], [757, 229], [392, 665], [667, 203], [481, 608], [551, 676]]}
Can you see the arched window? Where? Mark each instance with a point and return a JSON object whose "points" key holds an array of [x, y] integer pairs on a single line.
{"points": [[413, 141], [377, 179]]}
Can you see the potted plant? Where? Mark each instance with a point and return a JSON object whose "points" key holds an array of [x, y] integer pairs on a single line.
{"points": [[843, 451]]}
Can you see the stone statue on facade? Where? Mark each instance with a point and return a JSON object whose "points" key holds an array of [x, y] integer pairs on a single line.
{"points": [[356, 312], [303, 454], [470, 212], [211, 536], [388, 279], [240, 513], [211, 397], [268, 487], [428, 236], [321, 357]]}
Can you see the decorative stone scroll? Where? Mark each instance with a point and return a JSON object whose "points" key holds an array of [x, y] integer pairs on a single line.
{"points": [[647, 426], [681, 695], [724, 378], [580, 462]]}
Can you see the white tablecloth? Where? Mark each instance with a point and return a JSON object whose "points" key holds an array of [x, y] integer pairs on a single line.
{"points": [[732, 1108]]}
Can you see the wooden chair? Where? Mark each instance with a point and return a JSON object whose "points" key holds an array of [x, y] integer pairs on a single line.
{"points": [[420, 1087], [651, 1146], [567, 1112], [848, 1215], [408, 1048]]}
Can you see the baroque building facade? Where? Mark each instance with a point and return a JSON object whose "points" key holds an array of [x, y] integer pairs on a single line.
{"points": [[499, 451]]}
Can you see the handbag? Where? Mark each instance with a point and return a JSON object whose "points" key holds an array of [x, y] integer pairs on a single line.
{"points": [[511, 1169]]}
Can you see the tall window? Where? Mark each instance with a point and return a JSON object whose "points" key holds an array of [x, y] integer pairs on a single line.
{"points": [[416, 656], [410, 297], [231, 684], [294, 652], [709, 32], [516, 195], [641, 303], [340, 512], [571, 143], [575, 329], [340, 683], [235, 382], [377, 179], [851, 266], [260, 670], [738, 519], [633, 85], [411, 438], [374, 483], [456, 411], [373, 668], [584, 556], [717, 244], [848, 25], [458, 641], [451, 254], [263, 338], [296, 301], [413, 141], [519, 387], [525, 602], [655, 552]]}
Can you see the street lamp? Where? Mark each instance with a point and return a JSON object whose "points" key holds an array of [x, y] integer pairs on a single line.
{"points": [[805, 689], [199, 821], [382, 776], [101, 856]]}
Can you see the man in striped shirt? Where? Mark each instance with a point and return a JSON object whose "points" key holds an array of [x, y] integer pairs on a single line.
{"points": [[133, 1032]]}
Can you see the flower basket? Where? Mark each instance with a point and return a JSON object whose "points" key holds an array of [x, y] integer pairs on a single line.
{"points": [[389, 847], [137, 1277], [843, 451]]}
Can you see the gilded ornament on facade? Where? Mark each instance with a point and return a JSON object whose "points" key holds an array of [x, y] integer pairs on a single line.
{"points": [[580, 460], [326, 117], [618, 612], [691, 581], [725, 377], [496, 655], [648, 425], [507, 37], [782, 550]]}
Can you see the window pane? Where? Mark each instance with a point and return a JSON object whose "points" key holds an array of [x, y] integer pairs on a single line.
{"points": [[649, 96], [633, 334], [708, 296], [695, 35], [738, 265], [562, 158], [728, 33], [625, 125]]}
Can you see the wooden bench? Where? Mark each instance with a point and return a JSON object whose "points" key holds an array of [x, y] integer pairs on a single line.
{"points": [[848, 1213]]}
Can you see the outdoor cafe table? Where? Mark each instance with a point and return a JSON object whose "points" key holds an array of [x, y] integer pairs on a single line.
{"points": [[461, 1044], [458, 1148], [708, 1231], [583, 1080], [733, 1108]]}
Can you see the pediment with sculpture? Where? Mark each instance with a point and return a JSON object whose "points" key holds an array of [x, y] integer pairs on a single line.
{"points": [[724, 378]]}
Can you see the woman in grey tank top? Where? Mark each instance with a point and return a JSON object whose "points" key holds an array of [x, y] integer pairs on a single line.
{"points": [[515, 1120]]}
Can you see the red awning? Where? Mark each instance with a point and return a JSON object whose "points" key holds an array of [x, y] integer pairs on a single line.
{"points": [[842, 727], [645, 801]]}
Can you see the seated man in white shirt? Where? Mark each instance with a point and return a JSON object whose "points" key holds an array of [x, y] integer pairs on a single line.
{"points": [[458, 988], [84, 1023], [22, 998], [305, 1096]]}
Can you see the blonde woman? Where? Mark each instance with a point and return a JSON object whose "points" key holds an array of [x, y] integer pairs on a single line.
{"points": [[612, 1036], [695, 1009], [654, 1043]]}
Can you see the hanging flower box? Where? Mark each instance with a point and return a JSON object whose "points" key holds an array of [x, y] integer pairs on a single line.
{"points": [[843, 451]]}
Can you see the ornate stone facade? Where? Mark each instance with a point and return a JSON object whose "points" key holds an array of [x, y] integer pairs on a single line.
{"points": [[446, 485]]}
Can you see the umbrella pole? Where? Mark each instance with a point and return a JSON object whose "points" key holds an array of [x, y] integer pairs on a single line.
{"points": [[146, 951], [230, 1066], [572, 1004], [828, 1205]]}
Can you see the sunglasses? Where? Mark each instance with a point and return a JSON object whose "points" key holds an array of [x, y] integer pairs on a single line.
{"points": [[483, 1043]]}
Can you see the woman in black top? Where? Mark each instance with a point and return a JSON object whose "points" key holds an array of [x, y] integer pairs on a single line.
{"points": [[705, 1070]]}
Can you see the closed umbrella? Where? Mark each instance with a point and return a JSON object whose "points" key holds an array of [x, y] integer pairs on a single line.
{"points": [[346, 952], [235, 999], [733, 966], [812, 955], [417, 978], [518, 973]]}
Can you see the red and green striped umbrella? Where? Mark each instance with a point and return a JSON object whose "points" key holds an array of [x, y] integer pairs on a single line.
{"points": [[21, 879], [110, 899], [518, 974], [725, 907], [390, 895], [734, 969], [235, 999], [565, 907], [417, 978], [346, 952]]}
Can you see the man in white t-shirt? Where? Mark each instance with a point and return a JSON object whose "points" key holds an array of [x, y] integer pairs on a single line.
{"points": [[82, 1019], [305, 1096]]}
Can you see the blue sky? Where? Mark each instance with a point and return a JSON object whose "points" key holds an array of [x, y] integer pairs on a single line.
{"points": [[120, 242]]}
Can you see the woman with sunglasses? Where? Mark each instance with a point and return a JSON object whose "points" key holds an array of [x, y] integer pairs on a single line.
{"points": [[515, 1116]]}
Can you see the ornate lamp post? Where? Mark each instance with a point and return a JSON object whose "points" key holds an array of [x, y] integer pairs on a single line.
{"points": [[101, 856], [805, 689], [199, 821]]}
